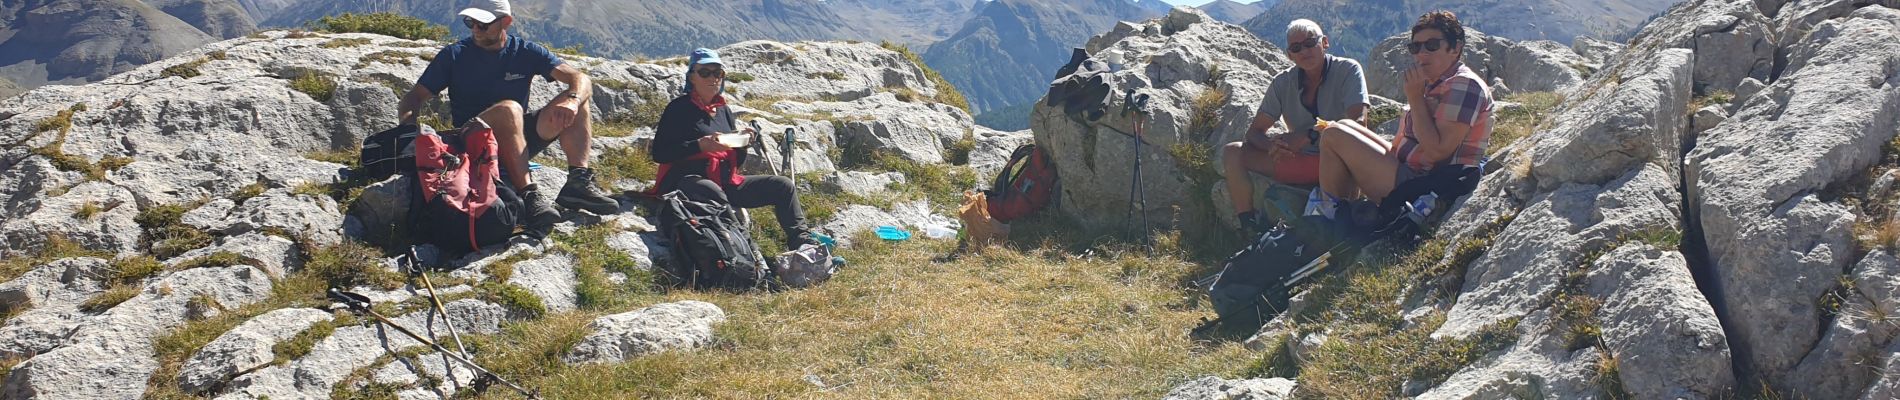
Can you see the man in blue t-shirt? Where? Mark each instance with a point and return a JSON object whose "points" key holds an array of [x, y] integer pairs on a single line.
{"points": [[487, 76]]}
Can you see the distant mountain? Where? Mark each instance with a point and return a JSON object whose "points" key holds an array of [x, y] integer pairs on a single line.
{"points": [[224, 19], [1356, 25], [1009, 52], [1158, 6], [1234, 13], [78, 41], [917, 23]]}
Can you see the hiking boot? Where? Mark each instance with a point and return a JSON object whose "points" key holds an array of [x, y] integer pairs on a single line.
{"points": [[799, 236], [541, 215], [580, 194]]}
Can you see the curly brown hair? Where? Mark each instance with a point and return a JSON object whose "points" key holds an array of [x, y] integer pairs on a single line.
{"points": [[1445, 22]]}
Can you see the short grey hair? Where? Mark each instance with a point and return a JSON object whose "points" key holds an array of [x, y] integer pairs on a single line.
{"points": [[1306, 26]]}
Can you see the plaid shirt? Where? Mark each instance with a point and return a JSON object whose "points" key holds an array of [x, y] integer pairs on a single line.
{"points": [[1459, 96]]}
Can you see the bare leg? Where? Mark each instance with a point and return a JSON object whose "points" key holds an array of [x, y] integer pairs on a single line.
{"points": [[505, 118], [1350, 164], [576, 140], [1237, 159]]}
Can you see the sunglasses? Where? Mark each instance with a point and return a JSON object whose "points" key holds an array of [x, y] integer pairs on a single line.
{"points": [[1295, 47], [473, 25], [710, 72], [1429, 45]]}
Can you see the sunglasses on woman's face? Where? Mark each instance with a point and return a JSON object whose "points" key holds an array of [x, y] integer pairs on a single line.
{"points": [[710, 72], [473, 25], [1429, 45], [1295, 47]]}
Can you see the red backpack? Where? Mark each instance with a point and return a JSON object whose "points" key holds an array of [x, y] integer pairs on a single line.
{"points": [[1024, 186], [463, 202]]}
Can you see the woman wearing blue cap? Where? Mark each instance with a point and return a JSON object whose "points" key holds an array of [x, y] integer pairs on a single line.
{"points": [[694, 161]]}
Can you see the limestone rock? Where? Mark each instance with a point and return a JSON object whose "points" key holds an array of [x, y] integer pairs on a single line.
{"points": [[863, 183], [1838, 367], [246, 347], [350, 348], [1731, 38], [551, 278], [1188, 58], [670, 326], [1662, 331], [275, 255], [1774, 245], [993, 149], [109, 356], [1215, 388]]}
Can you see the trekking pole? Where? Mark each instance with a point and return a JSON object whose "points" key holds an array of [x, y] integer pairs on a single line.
{"points": [[415, 269], [1137, 104], [758, 146], [785, 154], [360, 304]]}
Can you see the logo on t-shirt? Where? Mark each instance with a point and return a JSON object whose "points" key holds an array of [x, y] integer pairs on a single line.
{"points": [[512, 76]]}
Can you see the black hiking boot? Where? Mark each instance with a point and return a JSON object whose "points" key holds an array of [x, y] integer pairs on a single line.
{"points": [[580, 194], [799, 236], [541, 215]]}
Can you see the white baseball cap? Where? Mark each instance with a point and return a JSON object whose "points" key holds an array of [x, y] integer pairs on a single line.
{"points": [[486, 11]]}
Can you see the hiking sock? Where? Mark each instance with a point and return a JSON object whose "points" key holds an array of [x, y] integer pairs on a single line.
{"points": [[580, 193], [541, 215]]}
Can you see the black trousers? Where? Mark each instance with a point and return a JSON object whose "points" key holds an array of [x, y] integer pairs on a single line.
{"points": [[757, 191]]}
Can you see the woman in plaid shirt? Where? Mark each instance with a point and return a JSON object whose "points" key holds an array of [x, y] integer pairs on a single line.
{"points": [[1447, 121]]}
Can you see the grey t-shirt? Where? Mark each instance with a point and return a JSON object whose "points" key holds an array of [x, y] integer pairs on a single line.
{"points": [[1343, 86]]}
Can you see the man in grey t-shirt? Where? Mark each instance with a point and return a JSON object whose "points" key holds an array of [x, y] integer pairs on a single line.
{"points": [[1319, 86]]}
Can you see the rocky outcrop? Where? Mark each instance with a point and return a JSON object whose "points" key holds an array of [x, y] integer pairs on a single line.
{"points": [[1215, 388], [245, 348], [1776, 246], [108, 356], [1179, 60], [1732, 41], [1523, 66], [1661, 331], [663, 327], [350, 348]]}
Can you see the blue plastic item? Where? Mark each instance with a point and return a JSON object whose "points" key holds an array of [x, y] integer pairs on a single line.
{"points": [[825, 240], [892, 233]]}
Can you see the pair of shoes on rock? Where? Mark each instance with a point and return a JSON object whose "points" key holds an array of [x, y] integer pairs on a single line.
{"points": [[579, 193]]}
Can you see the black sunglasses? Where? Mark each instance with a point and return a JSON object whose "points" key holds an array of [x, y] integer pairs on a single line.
{"points": [[1309, 43], [1429, 45], [473, 25], [710, 72]]}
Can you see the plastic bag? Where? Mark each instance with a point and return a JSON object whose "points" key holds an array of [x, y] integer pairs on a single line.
{"points": [[979, 228]]}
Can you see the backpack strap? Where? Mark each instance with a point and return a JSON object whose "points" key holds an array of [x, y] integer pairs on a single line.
{"points": [[1011, 170]]}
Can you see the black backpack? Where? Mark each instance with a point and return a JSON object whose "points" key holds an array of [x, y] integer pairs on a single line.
{"points": [[1255, 284], [387, 153], [711, 247]]}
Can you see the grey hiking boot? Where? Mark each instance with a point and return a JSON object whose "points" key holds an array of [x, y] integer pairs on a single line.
{"points": [[580, 194], [541, 215]]}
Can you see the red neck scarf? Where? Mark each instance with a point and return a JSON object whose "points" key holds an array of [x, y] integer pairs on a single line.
{"points": [[710, 107]]}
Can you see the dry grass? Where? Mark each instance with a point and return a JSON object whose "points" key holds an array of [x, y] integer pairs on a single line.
{"points": [[1516, 124], [908, 320], [1206, 113]]}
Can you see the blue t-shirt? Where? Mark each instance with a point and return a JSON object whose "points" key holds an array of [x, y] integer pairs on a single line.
{"points": [[477, 78]]}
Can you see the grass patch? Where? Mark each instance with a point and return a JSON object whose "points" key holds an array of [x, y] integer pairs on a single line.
{"points": [[959, 152], [594, 260], [516, 299], [382, 23], [946, 93], [576, 50], [249, 192], [392, 57], [644, 113], [622, 163], [57, 247], [166, 235], [62, 124], [739, 77], [350, 264], [344, 43], [131, 270], [1518, 123], [185, 70], [300, 345], [218, 259], [86, 211], [111, 297], [1378, 116], [1204, 113], [826, 75], [1717, 98], [320, 86], [173, 348], [905, 320]]}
